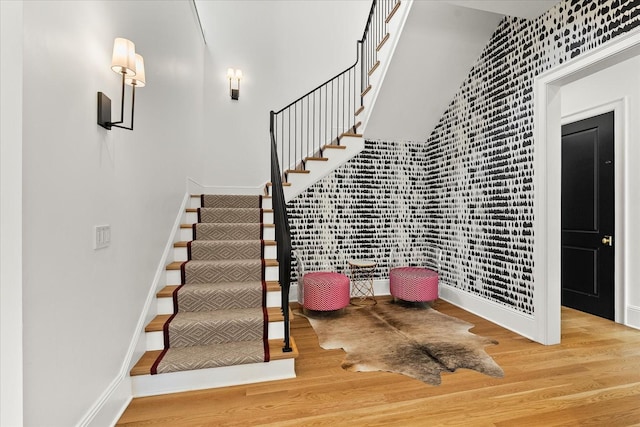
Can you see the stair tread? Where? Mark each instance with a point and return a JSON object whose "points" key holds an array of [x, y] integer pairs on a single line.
{"points": [[318, 159], [375, 66], [200, 195], [143, 366], [340, 147], [269, 225], [297, 171], [393, 12], [359, 110], [167, 291], [382, 42], [177, 264], [284, 184], [366, 91], [351, 134], [195, 210], [183, 244], [274, 314]]}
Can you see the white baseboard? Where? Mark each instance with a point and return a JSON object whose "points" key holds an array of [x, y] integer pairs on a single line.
{"points": [[111, 405], [504, 316], [633, 316]]}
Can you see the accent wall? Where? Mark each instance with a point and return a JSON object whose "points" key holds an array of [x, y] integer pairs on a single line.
{"points": [[468, 187]]}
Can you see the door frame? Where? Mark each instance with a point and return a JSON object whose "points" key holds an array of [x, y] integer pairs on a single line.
{"points": [[547, 167], [620, 119]]}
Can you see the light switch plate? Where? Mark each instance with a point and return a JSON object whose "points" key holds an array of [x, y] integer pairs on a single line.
{"points": [[102, 236]]}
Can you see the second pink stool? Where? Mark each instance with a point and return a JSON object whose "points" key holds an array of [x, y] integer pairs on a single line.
{"points": [[413, 284]]}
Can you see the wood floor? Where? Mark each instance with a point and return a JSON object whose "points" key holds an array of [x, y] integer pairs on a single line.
{"points": [[591, 378]]}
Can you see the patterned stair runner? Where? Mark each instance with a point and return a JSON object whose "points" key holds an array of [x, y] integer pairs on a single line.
{"points": [[219, 316]]}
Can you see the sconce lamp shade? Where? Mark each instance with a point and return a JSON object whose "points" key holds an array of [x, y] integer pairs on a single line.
{"points": [[140, 79], [130, 66], [123, 60], [234, 77]]}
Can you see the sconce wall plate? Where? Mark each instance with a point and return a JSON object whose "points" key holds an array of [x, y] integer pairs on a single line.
{"points": [[104, 111]]}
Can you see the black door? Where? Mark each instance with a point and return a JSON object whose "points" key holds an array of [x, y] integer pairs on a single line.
{"points": [[588, 216]]}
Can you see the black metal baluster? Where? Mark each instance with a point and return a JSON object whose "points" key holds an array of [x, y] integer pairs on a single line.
{"points": [[340, 109]]}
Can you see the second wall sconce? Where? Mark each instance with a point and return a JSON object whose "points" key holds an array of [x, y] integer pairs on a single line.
{"points": [[130, 65], [234, 77]]}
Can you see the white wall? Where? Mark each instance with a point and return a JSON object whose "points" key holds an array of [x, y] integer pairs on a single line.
{"points": [[619, 82], [81, 306], [11, 214], [285, 49]]}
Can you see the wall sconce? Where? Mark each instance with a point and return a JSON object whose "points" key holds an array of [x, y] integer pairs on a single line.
{"points": [[130, 65], [234, 75]]}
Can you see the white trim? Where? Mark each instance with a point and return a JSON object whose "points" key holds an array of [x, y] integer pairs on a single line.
{"points": [[114, 400], [547, 114], [11, 259], [110, 405], [633, 316], [385, 56]]}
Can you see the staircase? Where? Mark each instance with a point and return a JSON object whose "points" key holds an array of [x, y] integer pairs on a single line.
{"points": [[223, 316], [324, 128], [219, 320]]}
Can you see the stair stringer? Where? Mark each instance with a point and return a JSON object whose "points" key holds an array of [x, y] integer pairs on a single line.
{"points": [[385, 55], [354, 144], [319, 169]]}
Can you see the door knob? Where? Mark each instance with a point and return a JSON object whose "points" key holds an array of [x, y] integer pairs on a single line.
{"points": [[607, 240]]}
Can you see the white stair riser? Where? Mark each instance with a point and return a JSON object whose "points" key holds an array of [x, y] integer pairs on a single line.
{"points": [[269, 233], [195, 203], [148, 385], [155, 340], [191, 217], [173, 276], [180, 254], [165, 305]]}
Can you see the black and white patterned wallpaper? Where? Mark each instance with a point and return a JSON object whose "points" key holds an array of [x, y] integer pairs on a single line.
{"points": [[468, 188]]}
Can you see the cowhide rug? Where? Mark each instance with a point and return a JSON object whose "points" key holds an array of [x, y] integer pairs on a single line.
{"points": [[415, 341]]}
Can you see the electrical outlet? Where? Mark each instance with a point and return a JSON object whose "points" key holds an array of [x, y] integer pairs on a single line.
{"points": [[102, 236]]}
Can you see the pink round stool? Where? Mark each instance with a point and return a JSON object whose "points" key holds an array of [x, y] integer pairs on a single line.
{"points": [[325, 291], [413, 284]]}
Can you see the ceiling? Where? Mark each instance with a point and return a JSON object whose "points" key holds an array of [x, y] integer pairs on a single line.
{"points": [[529, 9]]}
